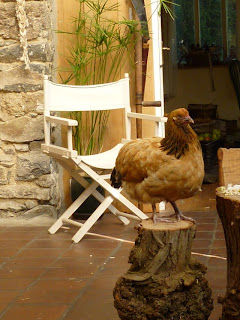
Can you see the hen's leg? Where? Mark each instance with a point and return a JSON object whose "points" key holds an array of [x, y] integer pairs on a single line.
{"points": [[179, 214], [155, 217]]}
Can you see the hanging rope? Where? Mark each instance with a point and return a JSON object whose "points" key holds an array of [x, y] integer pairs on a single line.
{"points": [[22, 24]]}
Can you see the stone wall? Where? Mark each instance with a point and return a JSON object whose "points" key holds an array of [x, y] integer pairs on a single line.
{"points": [[28, 178]]}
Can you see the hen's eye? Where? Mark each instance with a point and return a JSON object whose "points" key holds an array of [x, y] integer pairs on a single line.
{"points": [[178, 119]]}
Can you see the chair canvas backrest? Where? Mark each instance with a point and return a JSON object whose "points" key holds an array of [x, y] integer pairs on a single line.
{"points": [[107, 96]]}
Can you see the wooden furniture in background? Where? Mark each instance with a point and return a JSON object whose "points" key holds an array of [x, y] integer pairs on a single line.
{"points": [[229, 166], [228, 208]]}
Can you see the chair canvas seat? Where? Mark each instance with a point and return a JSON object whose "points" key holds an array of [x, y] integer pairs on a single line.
{"points": [[108, 96], [103, 160]]}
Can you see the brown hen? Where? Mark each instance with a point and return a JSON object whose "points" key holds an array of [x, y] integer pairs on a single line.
{"points": [[152, 170]]}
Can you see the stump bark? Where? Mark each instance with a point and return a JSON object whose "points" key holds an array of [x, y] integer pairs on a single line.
{"points": [[164, 281], [228, 208]]}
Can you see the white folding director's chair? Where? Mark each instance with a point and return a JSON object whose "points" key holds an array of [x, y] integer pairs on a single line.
{"points": [[108, 96]]}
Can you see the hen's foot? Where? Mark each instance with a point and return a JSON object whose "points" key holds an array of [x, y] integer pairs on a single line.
{"points": [[156, 219], [179, 214]]}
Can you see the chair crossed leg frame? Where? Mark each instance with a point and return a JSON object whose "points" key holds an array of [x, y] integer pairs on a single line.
{"points": [[105, 202]]}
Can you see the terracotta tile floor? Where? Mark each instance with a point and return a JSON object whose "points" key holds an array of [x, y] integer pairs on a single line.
{"points": [[47, 277]]}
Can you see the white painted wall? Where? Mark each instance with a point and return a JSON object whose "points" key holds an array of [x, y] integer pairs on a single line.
{"points": [[194, 86]]}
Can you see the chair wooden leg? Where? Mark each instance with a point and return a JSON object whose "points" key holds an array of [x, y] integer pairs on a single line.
{"points": [[101, 198], [73, 207], [115, 193], [74, 173], [92, 219]]}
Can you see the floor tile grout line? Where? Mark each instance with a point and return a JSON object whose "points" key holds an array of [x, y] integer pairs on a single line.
{"points": [[213, 238], [9, 306], [46, 269], [90, 281], [28, 287], [19, 251]]}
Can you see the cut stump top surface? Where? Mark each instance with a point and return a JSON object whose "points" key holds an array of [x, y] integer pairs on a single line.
{"points": [[231, 197], [167, 226]]}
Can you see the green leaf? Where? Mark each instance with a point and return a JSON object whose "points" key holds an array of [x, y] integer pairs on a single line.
{"points": [[99, 48]]}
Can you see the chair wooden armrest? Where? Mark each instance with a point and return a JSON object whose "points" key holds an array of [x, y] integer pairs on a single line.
{"points": [[63, 121], [58, 151], [146, 117]]}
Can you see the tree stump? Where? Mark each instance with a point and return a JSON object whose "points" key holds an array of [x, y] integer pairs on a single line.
{"points": [[164, 281], [228, 208]]}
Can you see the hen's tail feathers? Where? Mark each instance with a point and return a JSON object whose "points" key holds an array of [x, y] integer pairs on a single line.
{"points": [[116, 179]]}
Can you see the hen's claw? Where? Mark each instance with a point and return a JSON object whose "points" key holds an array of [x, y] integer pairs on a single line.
{"points": [[182, 217], [179, 214], [156, 219]]}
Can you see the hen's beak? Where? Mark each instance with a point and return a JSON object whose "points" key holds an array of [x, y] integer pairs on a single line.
{"points": [[188, 119]]}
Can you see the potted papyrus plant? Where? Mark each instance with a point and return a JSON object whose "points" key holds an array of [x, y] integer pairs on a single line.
{"points": [[99, 49]]}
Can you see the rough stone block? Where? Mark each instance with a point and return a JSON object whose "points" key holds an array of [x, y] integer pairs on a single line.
{"points": [[12, 205], [6, 160], [3, 177], [21, 147], [35, 145], [10, 53], [8, 21], [45, 181], [38, 17], [41, 51], [8, 148], [24, 191], [31, 204], [6, 43], [32, 165], [14, 104], [16, 78], [24, 129], [42, 68], [40, 210]]}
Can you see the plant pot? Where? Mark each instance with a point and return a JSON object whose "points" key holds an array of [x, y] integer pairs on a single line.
{"points": [[89, 205]]}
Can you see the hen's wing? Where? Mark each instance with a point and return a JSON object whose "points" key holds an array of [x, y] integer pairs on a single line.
{"points": [[136, 157]]}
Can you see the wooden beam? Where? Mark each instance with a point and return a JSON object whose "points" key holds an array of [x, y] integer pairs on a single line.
{"points": [[151, 104], [224, 28], [197, 22]]}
